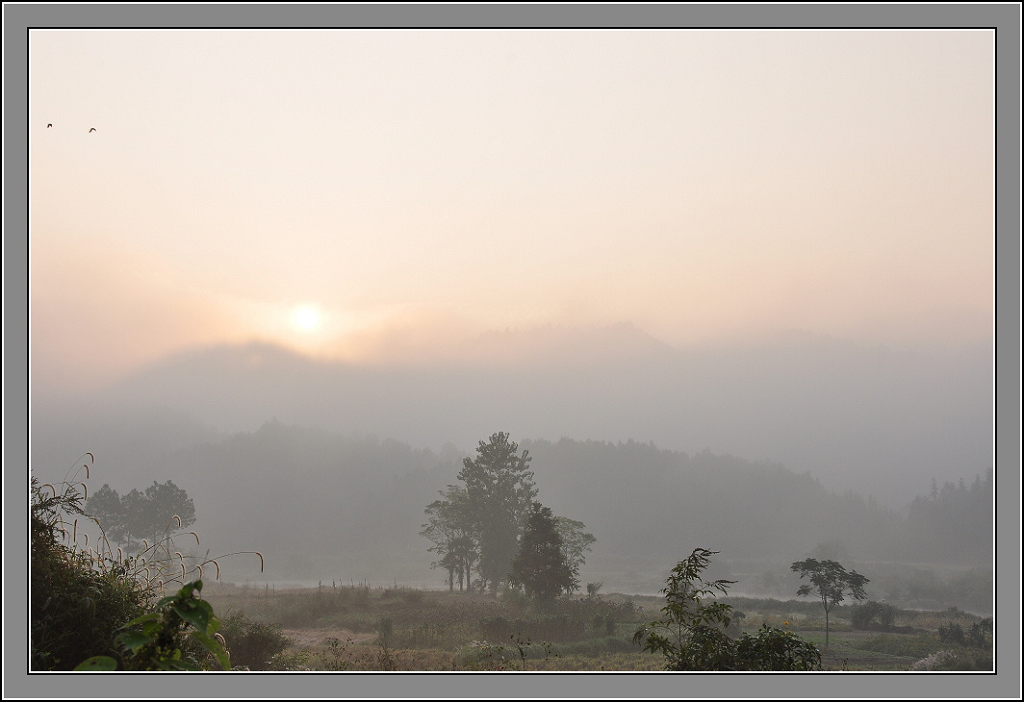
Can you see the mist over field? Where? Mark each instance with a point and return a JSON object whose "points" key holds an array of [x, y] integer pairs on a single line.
{"points": [[764, 451]]}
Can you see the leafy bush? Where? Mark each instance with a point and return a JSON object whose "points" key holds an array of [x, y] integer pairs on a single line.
{"points": [[81, 598], [952, 633], [775, 649], [252, 644], [75, 608], [691, 633], [979, 634], [862, 616], [159, 640]]}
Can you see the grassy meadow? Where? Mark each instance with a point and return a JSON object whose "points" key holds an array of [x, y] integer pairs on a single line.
{"points": [[359, 628]]}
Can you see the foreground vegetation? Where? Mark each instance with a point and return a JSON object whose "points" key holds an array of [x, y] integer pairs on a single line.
{"points": [[337, 627], [95, 608]]}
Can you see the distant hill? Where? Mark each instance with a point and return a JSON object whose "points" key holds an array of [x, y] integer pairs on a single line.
{"points": [[881, 422]]}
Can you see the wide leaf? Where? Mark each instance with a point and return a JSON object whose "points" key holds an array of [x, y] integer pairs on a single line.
{"points": [[196, 616]]}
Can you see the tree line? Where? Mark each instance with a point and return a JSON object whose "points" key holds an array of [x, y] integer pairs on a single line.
{"points": [[324, 516]]}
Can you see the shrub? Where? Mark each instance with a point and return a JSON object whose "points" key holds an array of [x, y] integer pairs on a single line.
{"points": [[775, 649], [976, 635], [691, 633], [252, 644], [862, 616], [81, 598], [75, 608], [952, 633], [159, 640]]}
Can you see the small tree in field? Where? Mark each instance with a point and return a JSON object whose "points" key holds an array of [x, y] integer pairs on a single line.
{"points": [[691, 633], [830, 582]]}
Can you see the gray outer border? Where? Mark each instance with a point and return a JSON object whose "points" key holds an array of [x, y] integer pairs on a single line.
{"points": [[1005, 17]]}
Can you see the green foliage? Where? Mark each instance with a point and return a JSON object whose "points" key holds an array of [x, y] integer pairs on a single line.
{"points": [[252, 645], [540, 567], [691, 633], [977, 636], [863, 616], [829, 582], [688, 634], [161, 509], [159, 640], [75, 608], [774, 649], [81, 597]]}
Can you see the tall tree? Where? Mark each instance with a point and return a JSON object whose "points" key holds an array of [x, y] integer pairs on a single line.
{"points": [[829, 581], [540, 566], [106, 507], [500, 488], [161, 511], [575, 542], [451, 527]]}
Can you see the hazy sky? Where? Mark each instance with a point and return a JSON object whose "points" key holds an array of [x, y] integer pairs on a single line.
{"points": [[369, 194]]}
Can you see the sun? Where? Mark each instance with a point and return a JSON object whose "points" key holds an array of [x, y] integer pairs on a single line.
{"points": [[306, 317]]}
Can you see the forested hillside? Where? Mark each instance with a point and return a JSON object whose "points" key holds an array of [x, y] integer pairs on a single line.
{"points": [[325, 506]]}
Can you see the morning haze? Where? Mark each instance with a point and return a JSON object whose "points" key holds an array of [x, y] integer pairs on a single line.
{"points": [[303, 273]]}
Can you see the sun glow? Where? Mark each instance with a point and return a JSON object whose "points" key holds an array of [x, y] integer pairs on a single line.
{"points": [[306, 318]]}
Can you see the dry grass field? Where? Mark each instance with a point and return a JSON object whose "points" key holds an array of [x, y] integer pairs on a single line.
{"points": [[346, 628]]}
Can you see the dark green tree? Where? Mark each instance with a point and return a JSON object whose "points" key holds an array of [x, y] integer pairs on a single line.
{"points": [[829, 582], [691, 633], [540, 566], [500, 490]]}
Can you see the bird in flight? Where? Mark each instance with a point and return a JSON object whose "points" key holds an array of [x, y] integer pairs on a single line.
{"points": [[92, 129], [49, 124]]}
